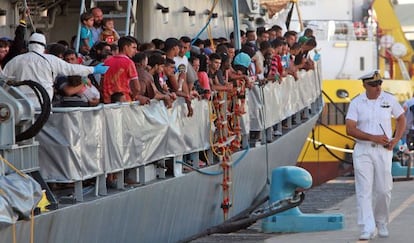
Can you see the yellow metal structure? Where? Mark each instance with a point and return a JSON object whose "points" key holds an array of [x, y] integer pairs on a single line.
{"points": [[389, 24], [330, 132], [402, 89]]}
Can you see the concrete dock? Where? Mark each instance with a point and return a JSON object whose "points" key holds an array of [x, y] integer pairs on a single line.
{"points": [[336, 196]]}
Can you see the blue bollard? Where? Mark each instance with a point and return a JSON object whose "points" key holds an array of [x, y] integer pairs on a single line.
{"points": [[285, 180], [397, 170]]}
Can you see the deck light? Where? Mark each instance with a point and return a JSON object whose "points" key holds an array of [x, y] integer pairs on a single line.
{"points": [[43, 13], [191, 14], [165, 12], [3, 14], [214, 17]]}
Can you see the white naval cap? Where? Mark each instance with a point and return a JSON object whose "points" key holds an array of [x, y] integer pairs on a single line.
{"points": [[372, 76]]}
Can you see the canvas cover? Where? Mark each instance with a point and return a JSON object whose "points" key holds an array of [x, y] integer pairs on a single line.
{"points": [[81, 143]]}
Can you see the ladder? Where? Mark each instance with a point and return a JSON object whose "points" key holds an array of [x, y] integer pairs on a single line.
{"points": [[122, 11]]}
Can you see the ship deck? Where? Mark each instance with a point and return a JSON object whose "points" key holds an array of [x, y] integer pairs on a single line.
{"points": [[336, 196]]}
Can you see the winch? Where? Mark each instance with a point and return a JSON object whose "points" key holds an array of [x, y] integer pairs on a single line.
{"points": [[19, 124]]}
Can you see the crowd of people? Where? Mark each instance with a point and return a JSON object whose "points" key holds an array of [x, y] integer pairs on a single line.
{"points": [[109, 68]]}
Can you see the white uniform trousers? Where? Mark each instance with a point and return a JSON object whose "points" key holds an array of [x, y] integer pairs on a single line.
{"points": [[372, 168]]}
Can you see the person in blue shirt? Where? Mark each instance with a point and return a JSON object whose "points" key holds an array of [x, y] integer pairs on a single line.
{"points": [[86, 40]]}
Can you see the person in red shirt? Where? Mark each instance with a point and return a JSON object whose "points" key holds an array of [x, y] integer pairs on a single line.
{"points": [[122, 74]]}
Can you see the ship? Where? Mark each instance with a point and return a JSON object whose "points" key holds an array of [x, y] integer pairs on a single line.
{"points": [[353, 39], [77, 147]]}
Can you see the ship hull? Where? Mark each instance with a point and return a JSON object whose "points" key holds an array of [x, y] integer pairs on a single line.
{"points": [[168, 210]]}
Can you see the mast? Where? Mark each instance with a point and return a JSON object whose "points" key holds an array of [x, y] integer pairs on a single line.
{"points": [[236, 23]]}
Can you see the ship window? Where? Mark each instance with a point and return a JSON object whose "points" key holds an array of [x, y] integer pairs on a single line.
{"points": [[341, 29]]}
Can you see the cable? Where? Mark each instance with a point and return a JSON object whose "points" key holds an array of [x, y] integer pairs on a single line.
{"points": [[45, 105], [241, 157], [207, 24], [247, 218], [344, 150], [216, 172], [265, 134], [333, 103], [317, 147], [334, 131]]}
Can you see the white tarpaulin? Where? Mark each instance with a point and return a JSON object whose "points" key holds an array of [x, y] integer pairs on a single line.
{"points": [[81, 143], [272, 103]]}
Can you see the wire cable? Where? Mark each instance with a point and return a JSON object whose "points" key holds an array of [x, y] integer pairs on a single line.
{"points": [[333, 103], [336, 132], [317, 147], [45, 104], [207, 24]]}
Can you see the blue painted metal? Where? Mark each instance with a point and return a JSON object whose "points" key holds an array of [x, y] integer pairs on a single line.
{"points": [[285, 180], [398, 170], [236, 21]]}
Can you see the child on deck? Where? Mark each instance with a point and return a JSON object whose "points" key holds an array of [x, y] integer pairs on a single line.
{"points": [[109, 34], [86, 41], [86, 90]]}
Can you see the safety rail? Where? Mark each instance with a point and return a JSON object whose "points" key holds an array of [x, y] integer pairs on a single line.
{"points": [[81, 143]]}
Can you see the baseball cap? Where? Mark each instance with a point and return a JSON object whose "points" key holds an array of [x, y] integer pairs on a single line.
{"points": [[242, 59]]}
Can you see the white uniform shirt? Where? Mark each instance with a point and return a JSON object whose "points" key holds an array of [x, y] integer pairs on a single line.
{"points": [[371, 115], [41, 68]]}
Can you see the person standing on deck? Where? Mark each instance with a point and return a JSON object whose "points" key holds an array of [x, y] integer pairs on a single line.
{"points": [[97, 23], [43, 68], [177, 82], [122, 75], [86, 40], [369, 121]]}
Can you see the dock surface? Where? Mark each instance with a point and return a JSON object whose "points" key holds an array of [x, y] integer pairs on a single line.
{"points": [[336, 196]]}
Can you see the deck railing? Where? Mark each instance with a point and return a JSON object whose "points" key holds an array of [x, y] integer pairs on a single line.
{"points": [[81, 143]]}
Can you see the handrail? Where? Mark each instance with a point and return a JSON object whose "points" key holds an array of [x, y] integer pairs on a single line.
{"points": [[87, 141]]}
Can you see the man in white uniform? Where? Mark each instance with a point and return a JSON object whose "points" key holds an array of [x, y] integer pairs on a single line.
{"points": [[43, 68], [369, 121]]}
